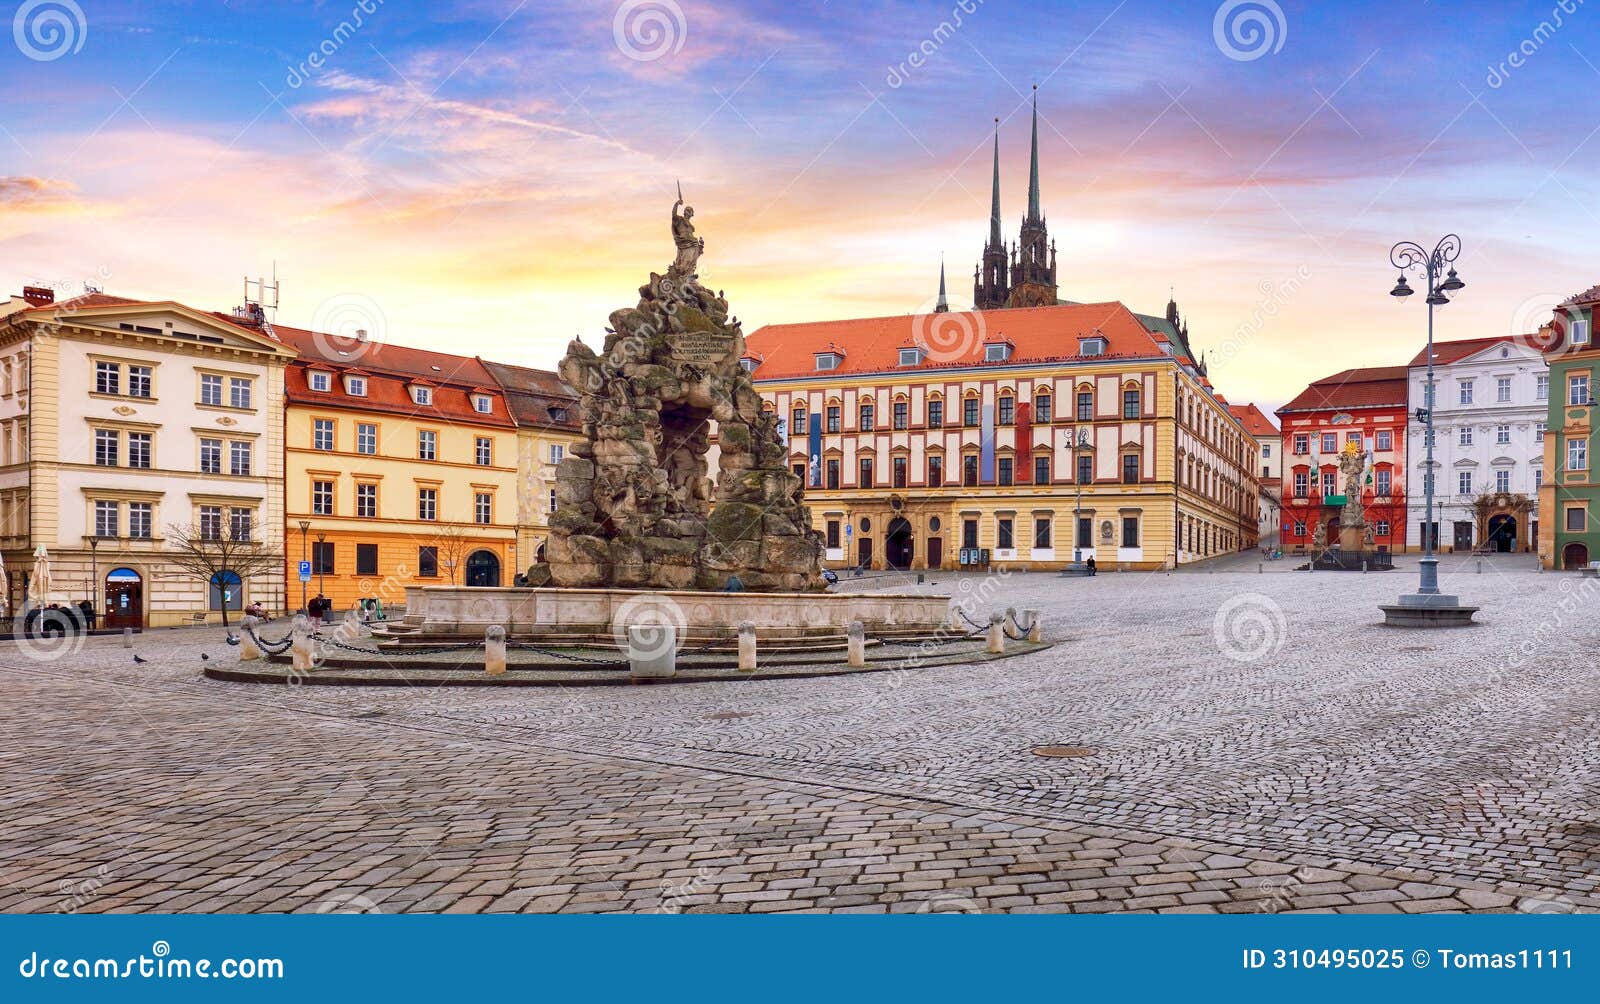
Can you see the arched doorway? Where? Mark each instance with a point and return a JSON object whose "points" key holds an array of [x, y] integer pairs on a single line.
{"points": [[899, 544], [1333, 532], [124, 599], [1502, 533], [483, 569], [1574, 556], [227, 591]]}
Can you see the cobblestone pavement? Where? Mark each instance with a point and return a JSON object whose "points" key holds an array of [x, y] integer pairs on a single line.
{"points": [[1257, 743]]}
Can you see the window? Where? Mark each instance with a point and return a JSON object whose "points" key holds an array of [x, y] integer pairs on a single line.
{"points": [[1578, 389], [1041, 470], [910, 357], [322, 434], [552, 500], [969, 412], [1465, 391], [482, 508], [1427, 395], [899, 467], [1299, 529], [1329, 483], [428, 503], [1130, 469], [1385, 440], [239, 523], [1576, 519], [1502, 481], [139, 381], [833, 474], [935, 472], [1266, 450], [1008, 410], [322, 557], [428, 561], [1385, 481], [1502, 434], [797, 420], [1302, 445], [1091, 346], [139, 449], [558, 452], [1130, 404], [865, 473], [210, 522], [1130, 531], [366, 438], [866, 416], [1381, 529], [482, 451], [996, 353], [322, 498], [210, 389], [1502, 389], [1041, 531], [1538, 478], [1085, 469], [1085, 532], [210, 456], [320, 381], [239, 459], [902, 414], [1041, 407], [367, 501], [422, 395], [356, 386], [833, 533], [1464, 436], [427, 444], [827, 360], [1085, 406], [1577, 454], [1542, 388], [239, 391], [1005, 474], [107, 378], [366, 559], [969, 470], [969, 533], [935, 414], [483, 404], [1330, 442], [1353, 438], [1003, 535], [105, 519], [140, 520], [1580, 331], [1464, 483], [1538, 432], [834, 421], [105, 447]]}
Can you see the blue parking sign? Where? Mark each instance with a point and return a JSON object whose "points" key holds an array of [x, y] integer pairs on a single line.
{"points": [[305, 571]]}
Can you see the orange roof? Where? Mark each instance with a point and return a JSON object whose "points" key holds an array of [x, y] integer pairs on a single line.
{"points": [[1373, 387], [954, 339], [537, 397], [86, 301], [1255, 422], [1450, 352]]}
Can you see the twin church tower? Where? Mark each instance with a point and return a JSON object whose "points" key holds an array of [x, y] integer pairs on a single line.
{"points": [[1024, 275]]}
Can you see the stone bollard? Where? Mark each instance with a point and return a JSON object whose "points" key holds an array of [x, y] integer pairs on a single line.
{"points": [[955, 617], [249, 651], [1480, 566], [1035, 629], [127, 637], [494, 650], [747, 647], [997, 634], [856, 644], [1260, 567], [652, 651], [301, 646]]}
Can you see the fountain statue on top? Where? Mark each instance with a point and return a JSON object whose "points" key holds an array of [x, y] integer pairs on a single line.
{"points": [[636, 507]]}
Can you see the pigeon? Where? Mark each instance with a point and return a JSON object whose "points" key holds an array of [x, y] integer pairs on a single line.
{"points": [[233, 639], [204, 657], [137, 659]]}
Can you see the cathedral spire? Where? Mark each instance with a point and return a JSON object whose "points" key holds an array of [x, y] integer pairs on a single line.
{"points": [[943, 306], [1033, 162], [994, 201]]}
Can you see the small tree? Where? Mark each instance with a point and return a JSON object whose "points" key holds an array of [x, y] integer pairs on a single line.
{"points": [[216, 557], [452, 542]]}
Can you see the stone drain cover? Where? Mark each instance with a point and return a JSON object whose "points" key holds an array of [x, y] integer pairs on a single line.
{"points": [[723, 716], [1064, 751]]}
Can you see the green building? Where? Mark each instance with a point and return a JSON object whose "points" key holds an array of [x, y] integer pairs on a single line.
{"points": [[1569, 532]]}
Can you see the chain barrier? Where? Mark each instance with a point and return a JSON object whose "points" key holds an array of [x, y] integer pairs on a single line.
{"points": [[429, 650], [607, 661], [335, 643], [1023, 631], [269, 647], [955, 640], [969, 620]]}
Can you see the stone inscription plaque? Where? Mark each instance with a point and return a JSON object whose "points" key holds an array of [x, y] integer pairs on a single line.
{"points": [[702, 348]]}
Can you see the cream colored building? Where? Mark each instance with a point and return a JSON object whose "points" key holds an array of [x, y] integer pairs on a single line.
{"points": [[121, 420], [546, 413]]}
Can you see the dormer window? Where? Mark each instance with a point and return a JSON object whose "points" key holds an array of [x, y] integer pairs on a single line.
{"points": [[996, 352], [748, 364], [558, 414], [356, 386], [829, 360], [1092, 346], [422, 395], [911, 357], [1580, 331], [483, 404], [321, 381]]}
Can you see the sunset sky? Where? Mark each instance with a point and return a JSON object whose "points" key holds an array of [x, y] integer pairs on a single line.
{"points": [[495, 177]]}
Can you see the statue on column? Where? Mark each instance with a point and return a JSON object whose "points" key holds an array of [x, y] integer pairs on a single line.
{"points": [[690, 247]]}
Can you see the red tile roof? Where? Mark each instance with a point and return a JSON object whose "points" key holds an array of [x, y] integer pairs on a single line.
{"points": [[1450, 352], [537, 397], [955, 339], [89, 301], [1255, 422], [1374, 387]]}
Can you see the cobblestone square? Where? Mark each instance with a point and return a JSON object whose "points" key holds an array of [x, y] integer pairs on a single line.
{"points": [[1255, 743]]}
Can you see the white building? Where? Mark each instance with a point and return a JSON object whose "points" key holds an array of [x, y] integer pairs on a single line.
{"points": [[1491, 401]]}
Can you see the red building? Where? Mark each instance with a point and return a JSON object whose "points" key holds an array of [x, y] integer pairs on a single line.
{"points": [[1366, 407]]}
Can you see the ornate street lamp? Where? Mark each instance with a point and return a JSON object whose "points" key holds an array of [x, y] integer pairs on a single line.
{"points": [[1428, 607], [305, 527], [1080, 442]]}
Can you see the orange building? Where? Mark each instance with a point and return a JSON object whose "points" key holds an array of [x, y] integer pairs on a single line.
{"points": [[400, 469]]}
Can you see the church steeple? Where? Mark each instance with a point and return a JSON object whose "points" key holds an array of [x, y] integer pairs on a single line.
{"points": [[994, 199], [943, 306], [1033, 272], [1033, 161], [991, 280]]}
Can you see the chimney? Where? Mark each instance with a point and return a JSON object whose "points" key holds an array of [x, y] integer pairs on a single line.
{"points": [[39, 296], [361, 335]]}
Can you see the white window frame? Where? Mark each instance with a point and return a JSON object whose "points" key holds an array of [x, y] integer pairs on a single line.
{"points": [[320, 381]]}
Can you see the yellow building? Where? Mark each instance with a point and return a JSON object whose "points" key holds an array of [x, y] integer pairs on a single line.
{"points": [[924, 438], [546, 413], [126, 426], [400, 469]]}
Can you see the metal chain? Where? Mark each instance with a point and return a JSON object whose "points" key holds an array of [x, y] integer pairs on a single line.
{"points": [[349, 648], [969, 620], [956, 640], [270, 647], [569, 656]]}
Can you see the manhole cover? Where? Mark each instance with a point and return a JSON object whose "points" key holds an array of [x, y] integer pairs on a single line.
{"points": [[1064, 751], [723, 716]]}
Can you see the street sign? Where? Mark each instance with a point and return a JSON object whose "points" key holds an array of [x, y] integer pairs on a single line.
{"points": [[849, 530], [305, 571]]}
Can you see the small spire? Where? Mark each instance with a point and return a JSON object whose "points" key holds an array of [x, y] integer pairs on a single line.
{"points": [[1033, 162], [994, 202], [943, 305]]}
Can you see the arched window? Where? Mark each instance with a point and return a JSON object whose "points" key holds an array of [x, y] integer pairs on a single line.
{"points": [[797, 420], [936, 410], [1085, 403]]}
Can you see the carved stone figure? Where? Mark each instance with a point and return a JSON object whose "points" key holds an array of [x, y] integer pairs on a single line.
{"points": [[1319, 537], [635, 506]]}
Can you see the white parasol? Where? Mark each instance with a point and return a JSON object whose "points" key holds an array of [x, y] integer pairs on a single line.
{"points": [[39, 585]]}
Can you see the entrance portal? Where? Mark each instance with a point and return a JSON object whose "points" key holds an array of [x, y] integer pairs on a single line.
{"points": [[1503, 533], [1574, 556], [483, 568], [124, 599], [898, 544]]}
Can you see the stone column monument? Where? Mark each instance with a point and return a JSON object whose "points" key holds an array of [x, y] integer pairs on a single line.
{"points": [[1352, 518]]}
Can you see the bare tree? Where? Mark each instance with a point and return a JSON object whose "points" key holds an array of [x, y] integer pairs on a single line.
{"points": [[452, 542], [216, 557]]}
